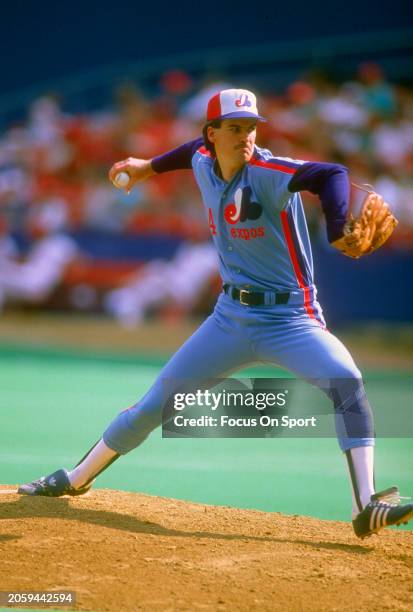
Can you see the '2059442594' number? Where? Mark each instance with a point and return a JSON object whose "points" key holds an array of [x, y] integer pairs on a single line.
{"points": [[41, 597]]}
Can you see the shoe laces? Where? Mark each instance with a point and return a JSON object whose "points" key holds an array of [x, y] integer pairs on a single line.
{"points": [[393, 498], [40, 483]]}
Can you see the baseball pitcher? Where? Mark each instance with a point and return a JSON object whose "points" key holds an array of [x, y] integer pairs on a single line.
{"points": [[268, 309]]}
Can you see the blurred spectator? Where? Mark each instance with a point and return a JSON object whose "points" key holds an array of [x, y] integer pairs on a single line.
{"points": [[33, 279], [9, 252], [194, 108], [8, 247], [392, 141], [176, 82], [378, 95], [178, 282]]}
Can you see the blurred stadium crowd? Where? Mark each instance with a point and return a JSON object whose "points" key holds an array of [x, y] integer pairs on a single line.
{"points": [[69, 239]]}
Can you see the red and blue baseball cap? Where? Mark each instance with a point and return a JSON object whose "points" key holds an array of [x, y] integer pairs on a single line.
{"points": [[233, 103]]}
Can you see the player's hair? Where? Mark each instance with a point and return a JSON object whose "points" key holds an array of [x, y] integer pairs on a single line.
{"points": [[208, 144]]}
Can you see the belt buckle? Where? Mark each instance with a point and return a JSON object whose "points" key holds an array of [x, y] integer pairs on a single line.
{"points": [[241, 299]]}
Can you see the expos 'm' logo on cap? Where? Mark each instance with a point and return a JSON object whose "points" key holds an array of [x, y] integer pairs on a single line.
{"points": [[242, 208], [233, 103]]}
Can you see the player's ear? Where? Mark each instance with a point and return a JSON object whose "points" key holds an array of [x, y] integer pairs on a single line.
{"points": [[211, 133]]}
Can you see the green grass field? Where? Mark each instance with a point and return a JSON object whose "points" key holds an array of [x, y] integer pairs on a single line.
{"points": [[55, 405]]}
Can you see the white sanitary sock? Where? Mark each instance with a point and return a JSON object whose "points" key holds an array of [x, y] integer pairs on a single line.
{"points": [[97, 458], [360, 464]]}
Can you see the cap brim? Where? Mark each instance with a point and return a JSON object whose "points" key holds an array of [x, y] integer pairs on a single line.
{"points": [[242, 115]]}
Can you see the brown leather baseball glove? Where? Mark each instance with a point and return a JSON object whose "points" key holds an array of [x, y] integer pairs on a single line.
{"points": [[369, 230]]}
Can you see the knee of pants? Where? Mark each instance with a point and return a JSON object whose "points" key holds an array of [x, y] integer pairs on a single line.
{"points": [[346, 393], [130, 428], [346, 371], [353, 414], [343, 386]]}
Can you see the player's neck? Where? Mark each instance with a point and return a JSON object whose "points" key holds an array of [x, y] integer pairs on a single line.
{"points": [[228, 170]]}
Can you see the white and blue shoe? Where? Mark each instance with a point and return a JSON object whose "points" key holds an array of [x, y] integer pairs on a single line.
{"points": [[383, 510], [54, 485]]}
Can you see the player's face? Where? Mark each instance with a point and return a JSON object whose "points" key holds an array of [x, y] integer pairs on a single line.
{"points": [[234, 140]]}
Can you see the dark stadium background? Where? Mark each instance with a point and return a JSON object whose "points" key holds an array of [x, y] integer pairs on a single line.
{"points": [[45, 40]]}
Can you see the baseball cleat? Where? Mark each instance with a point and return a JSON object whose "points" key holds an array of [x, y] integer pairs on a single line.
{"points": [[383, 510], [54, 485]]}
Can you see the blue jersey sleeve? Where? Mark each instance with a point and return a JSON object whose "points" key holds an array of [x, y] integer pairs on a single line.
{"points": [[331, 183], [177, 159]]}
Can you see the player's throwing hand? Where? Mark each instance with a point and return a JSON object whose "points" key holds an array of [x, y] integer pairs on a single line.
{"points": [[138, 170]]}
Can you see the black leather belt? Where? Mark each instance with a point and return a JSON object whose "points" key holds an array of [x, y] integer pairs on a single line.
{"points": [[256, 298]]}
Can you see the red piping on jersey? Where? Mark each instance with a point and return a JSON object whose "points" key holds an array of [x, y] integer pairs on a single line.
{"points": [[204, 151], [296, 266], [265, 164]]}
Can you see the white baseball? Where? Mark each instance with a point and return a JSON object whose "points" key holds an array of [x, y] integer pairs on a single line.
{"points": [[121, 179]]}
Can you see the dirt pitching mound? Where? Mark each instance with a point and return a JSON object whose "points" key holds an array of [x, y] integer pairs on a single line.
{"points": [[126, 551]]}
